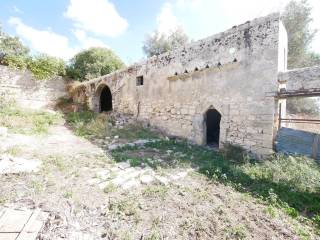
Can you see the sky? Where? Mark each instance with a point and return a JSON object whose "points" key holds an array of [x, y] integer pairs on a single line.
{"points": [[62, 28]]}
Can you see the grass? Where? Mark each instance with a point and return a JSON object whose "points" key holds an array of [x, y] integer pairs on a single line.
{"points": [[90, 125], [26, 121], [14, 150], [287, 182], [156, 191]]}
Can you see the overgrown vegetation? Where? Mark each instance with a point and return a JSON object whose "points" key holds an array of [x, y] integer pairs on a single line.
{"points": [[89, 124], [19, 120], [15, 55], [288, 182]]}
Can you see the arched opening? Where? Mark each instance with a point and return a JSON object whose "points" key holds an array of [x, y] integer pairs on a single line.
{"points": [[213, 118], [105, 100]]}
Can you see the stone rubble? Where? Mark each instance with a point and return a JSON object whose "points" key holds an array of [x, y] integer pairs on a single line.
{"points": [[125, 177], [10, 164]]}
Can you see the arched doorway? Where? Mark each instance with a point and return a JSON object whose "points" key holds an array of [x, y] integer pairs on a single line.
{"points": [[213, 118], [105, 100]]}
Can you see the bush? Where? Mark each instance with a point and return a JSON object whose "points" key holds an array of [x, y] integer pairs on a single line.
{"points": [[301, 173], [14, 61], [44, 67]]}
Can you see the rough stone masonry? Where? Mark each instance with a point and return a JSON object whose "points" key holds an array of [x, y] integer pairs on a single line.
{"points": [[214, 91]]}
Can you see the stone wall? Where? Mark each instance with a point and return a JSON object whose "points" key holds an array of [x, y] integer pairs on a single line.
{"points": [[28, 92], [233, 72], [301, 79]]}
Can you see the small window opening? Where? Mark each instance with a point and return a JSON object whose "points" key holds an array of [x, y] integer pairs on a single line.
{"points": [[235, 60], [207, 66], [186, 71], [139, 80], [219, 64], [196, 69], [176, 74]]}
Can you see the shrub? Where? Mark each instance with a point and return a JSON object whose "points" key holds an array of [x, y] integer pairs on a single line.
{"points": [[15, 62], [301, 173], [44, 67]]}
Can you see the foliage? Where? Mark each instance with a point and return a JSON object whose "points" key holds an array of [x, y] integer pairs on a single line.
{"points": [[94, 62], [12, 46], [15, 61], [297, 19], [307, 106], [44, 66], [158, 43], [87, 124], [15, 55]]}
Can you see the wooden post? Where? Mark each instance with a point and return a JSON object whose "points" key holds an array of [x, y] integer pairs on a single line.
{"points": [[315, 146], [279, 123]]}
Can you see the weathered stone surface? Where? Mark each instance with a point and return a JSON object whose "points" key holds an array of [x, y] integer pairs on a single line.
{"points": [[231, 72], [29, 92], [301, 79], [3, 131], [10, 164], [146, 179]]}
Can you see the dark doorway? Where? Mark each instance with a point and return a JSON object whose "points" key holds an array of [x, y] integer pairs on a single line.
{"points": [[105, 100], [213, 118]]}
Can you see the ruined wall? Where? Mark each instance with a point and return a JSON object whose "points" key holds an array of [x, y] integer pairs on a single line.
{"points": [[28, 92], [301, 79], [233, 72]]}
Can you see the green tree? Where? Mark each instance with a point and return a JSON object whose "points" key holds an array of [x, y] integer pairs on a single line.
{"points": [[94, 62], [157, 43], [297, 19], [11, 45]]}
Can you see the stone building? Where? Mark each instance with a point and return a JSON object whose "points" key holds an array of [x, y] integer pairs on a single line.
{"points": [[216, 90]]}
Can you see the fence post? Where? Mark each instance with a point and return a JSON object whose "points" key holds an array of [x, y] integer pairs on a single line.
{"points": [[315, 146]]}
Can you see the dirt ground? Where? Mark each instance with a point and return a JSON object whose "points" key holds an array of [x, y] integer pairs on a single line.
{"points": [[172, 205]]}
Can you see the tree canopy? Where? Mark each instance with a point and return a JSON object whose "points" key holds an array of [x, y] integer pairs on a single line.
{"points": [[297, 18], [157, 43], [93, 62]]}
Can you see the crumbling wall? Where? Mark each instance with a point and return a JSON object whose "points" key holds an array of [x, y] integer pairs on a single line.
{"points": [[28, 92], [233, 72], [307, 79]]}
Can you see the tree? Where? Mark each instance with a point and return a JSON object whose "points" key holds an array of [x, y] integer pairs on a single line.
{"points": [[94, 62], [11, 45], [158, 43], [297, 19]]}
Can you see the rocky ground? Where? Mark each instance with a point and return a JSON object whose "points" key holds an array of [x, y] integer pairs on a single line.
{"points": [[91, 196]]}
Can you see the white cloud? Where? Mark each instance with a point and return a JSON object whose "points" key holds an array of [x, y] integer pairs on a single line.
{"points": [[44, 41], [17, 10], [96, 16], [182, 4], [86, 41], [167, 22]]}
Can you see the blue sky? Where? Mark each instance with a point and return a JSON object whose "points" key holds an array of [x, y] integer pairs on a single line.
{"points": [[64, 27]]}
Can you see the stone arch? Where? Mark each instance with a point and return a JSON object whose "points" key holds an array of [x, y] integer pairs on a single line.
{"points": [[103, 99]]}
